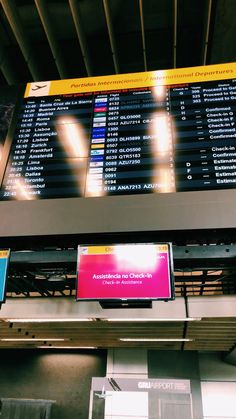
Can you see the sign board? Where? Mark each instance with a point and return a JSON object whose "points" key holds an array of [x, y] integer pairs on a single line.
{"points": [[4, 260]]}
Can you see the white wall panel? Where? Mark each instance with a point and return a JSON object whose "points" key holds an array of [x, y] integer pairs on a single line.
{"points": [[150, 212], [69, 308], [213, 306], [218, 399], [126, 405]]}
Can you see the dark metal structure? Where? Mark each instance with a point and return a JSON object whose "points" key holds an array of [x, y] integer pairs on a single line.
{"points": [[199, 270], [48, 40]]}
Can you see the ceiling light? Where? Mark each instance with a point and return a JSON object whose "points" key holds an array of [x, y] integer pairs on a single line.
{"points": [[32, 340], [56, 278], [47, 320], [155, 340], [183, 319], [64, 320], [65, 347]]}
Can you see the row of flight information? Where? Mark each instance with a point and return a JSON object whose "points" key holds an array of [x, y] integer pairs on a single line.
{"points": [[128, 141]]}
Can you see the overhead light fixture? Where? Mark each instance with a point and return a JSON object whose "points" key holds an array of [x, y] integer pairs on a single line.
{"points": [[56, 278], [78, 320], [155, 340], [136, 319], [65, 347], [33, 340], [47, 320]]}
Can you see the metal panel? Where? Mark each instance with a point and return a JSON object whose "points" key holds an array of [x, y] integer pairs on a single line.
{"points": [[152, 212]]}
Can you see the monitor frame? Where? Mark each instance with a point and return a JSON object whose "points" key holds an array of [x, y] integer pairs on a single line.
{"points": [[130, 302], [3, 280]]}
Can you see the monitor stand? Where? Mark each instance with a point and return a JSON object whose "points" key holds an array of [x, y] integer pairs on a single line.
{"points": [[126, 304]]}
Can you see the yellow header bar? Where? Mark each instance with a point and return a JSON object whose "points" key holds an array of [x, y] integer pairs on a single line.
{"points": [[132, 80], [101, 250], [4, 254]]}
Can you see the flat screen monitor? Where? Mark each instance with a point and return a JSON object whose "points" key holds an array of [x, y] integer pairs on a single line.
{"points": [[123, 272], [152, 132], [86, 151]]}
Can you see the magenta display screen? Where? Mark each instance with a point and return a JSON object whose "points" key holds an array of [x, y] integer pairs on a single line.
{"points": [[127, 271]]}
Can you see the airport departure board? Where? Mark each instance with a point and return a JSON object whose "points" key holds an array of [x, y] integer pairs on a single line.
{"points": [[152, 132]]}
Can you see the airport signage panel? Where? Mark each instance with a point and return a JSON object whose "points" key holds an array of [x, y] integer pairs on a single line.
{"points": [[4, 260], [153, 132]]}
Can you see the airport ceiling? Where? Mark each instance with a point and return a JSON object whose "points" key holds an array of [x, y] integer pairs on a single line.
{"points": [[48, 40], [207, 272], [208, 334]]}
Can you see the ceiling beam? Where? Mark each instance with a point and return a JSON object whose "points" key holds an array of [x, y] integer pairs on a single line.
{"points": [[6, 67], [143, 33], [223, 254], [175, 33], [53, 42], [207, 31], [13, 18], [81, 35], [111, 35]]}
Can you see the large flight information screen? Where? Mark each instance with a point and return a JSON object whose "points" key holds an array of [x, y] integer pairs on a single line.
{"points": [[152, 132]]}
